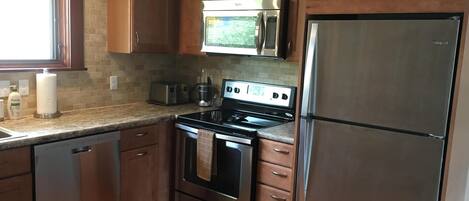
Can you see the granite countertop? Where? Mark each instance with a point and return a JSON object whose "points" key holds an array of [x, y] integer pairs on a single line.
{"points": [[282, 133], [77, 123], [84, 122]]}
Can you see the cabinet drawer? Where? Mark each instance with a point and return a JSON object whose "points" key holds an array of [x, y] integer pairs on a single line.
{"points": [[276, 152], [15, 162], [138, 137], [267, 193], [275, 175], [18, 188]]}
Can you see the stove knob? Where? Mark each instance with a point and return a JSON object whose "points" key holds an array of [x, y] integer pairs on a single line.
{"points": [[237, 90], [229, 89], [275, 95], [284, 96]]}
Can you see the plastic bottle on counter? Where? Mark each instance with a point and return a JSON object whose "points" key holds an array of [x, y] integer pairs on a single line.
{"points": [[14, 103]]}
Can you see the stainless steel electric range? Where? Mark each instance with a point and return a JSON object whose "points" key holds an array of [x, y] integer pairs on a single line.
{"points": [[246, 107]]}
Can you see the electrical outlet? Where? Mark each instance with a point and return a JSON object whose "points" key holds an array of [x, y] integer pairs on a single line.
{"points": [[113, 82], [23, 87], [4, 88]]}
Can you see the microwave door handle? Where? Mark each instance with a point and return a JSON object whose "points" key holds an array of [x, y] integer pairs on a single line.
{"points": [[260, 29]]}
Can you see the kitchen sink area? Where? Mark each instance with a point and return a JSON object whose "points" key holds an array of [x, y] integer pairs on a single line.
{"points": [[6, 134]]}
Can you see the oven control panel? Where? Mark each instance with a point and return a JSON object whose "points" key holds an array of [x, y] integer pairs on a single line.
{"points": [[268, 94]]}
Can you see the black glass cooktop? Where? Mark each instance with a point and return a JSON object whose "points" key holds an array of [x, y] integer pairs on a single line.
{"points": [[232, 119]]}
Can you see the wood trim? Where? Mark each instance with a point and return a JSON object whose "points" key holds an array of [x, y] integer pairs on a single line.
{"points": [[382, 6], [76, 33], [70, 35], [446, 165], [299, 94]]}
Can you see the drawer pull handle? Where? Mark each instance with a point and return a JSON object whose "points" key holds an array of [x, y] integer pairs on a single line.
{"points": [[82, 150], [278, 198], [279, 174], [140, 134], [281, 151], [142, 154]]}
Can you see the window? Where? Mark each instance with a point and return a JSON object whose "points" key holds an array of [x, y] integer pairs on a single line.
{"points": [[41, 33]]}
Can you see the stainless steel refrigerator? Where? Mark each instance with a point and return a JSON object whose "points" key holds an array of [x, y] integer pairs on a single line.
{"points": [[376, 106]]}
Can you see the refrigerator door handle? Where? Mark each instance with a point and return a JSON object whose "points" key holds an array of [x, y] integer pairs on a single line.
{"points": [[305, 157], [310, 68]]}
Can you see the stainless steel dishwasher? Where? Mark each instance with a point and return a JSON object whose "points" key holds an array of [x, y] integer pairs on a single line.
{"points": [[82, 169]]}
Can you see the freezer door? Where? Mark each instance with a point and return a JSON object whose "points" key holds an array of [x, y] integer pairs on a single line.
{"points": [[363, 164], [389, 73]]}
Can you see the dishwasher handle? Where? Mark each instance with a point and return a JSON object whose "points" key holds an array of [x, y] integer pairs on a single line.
{"points": [[82, 150]]}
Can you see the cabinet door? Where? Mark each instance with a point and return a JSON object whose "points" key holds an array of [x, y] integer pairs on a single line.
{"points": [[17, 188], [293, 23], [154, 26], [190, 29], [139, 174]]}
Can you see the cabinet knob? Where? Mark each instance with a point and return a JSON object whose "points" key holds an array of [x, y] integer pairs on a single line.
{"points": [[278, 198], [279, 174], [137, 37], [141, 154], [140, 134], [281, 151]]}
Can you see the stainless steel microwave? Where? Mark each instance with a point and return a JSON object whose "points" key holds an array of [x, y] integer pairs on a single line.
{"points": [[244, 27]]}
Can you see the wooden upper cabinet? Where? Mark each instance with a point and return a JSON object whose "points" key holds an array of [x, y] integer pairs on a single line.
{"points": [[142, 26], [293, 48], [382, 6], [190, 27]]}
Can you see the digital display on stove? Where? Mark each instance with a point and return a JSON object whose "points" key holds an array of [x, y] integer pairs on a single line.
{"points": [[256, 90]]}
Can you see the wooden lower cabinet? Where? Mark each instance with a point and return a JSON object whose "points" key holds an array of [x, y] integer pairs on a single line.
{"points": [[146, 163], [275, 176], [15, 175], [267, 193], [18, 188], [139, 174]]}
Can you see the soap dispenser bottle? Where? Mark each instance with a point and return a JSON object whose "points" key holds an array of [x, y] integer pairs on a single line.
{"points": [[14, 103]]}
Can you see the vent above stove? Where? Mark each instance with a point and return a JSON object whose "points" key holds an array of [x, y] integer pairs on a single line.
{"points": [[261, 93]]}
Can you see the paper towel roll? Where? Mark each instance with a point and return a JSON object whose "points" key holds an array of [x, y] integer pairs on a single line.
{"points": [[46, 86]]}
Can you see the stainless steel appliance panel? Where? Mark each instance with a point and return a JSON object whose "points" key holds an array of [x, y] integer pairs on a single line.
{"points": [[389, 73], [242, 4], [84, 169], [163, 93], [244, 27], [233, 179], [345, 162]]}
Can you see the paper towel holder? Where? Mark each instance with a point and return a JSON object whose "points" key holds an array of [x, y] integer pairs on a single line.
{"points": [[47, 116]]}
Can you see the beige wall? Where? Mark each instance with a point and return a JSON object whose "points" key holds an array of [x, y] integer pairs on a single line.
{"points": [[458, 187], [83, 89]]}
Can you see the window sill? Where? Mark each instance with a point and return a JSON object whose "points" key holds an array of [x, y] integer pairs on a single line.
{"points": [[25, 69]]}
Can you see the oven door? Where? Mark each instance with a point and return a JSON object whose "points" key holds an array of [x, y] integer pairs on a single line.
{"points": [[242, 32], [233, 177]]}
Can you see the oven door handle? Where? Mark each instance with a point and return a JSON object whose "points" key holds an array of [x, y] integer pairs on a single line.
{"points": [[192, 133]]}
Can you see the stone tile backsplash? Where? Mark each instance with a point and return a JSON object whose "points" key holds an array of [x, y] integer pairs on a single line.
{"points": [[84, 89]]}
